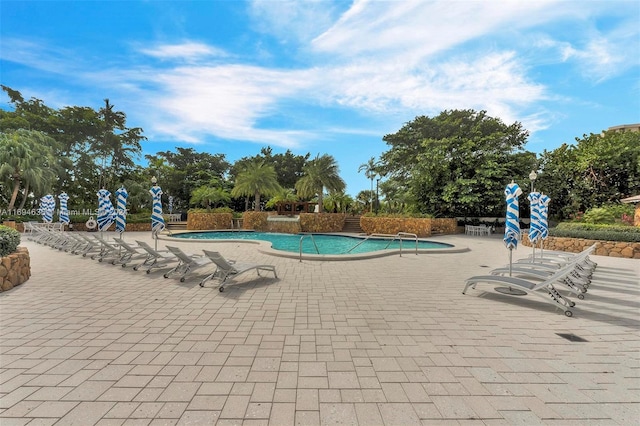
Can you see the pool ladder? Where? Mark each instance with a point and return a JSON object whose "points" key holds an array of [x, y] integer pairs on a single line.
{"points": [[312, 239], [399, 236]]}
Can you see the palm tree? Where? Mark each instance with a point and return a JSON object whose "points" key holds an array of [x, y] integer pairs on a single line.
{"points": [[26, 157], [319, 173], [208, 196], [370, 172], [255, 179]]}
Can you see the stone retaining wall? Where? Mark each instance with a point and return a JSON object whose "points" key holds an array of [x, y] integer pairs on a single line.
{"points": [[206, 221], [392, 225], [576, 245], [14, 269]]}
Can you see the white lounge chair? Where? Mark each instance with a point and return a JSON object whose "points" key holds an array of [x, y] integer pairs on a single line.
{"points": [[544, 290], [187, 263], [107, 250], [155, 259], [577, 281], [226, 269], [127, 253]]}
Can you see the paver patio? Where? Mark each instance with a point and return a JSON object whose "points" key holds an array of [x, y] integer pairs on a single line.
{"points": [[381, 341]]}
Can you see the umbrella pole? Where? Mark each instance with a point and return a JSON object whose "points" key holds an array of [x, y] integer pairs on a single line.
{"points": [[510, 260]]}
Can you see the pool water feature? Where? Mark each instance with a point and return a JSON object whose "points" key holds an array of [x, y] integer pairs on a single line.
{"points": [[327, 244]]}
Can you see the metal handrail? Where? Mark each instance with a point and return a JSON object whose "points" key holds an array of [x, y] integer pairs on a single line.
{"points": [[407, 234], [314, 244]]}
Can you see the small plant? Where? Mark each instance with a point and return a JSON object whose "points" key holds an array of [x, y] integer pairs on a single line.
{"points": [[9, 240]]}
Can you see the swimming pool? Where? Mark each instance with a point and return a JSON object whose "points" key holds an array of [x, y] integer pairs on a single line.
{"points": [[322, 244]]}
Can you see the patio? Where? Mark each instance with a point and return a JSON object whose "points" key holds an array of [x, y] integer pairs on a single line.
{"points": [[387, 341]]}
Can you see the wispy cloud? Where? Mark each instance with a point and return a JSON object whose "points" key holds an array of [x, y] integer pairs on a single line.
{"points": [[186, 51]]}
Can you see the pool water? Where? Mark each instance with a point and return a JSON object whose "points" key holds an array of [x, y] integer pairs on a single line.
{"points": [[326, 244]]}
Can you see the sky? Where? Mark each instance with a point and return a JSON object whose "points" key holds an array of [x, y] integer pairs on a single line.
{"points": [[326, 77]]}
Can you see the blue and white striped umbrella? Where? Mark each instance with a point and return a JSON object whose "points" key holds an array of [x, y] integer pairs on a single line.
{"points": [[121, 209], [543, 207], [47, 206], [106, 213], [170, 207], [534, 226], [512, 224], [157, 221], [64, 211]]}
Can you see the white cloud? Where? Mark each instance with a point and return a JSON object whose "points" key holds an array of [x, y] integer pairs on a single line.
{"points": [[293, 20], [187, 51]]}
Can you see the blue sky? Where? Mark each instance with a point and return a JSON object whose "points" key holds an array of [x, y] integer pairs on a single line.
{"points": [[327, 76]]}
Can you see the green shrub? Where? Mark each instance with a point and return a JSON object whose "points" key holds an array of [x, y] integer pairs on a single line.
{"points": [[599, 215], [9, 240], [608, 213], [596, 232]]}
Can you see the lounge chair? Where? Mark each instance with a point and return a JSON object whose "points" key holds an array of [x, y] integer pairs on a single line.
{"points": [[226, 269], [155, 259], [544, 290], [187, 263], [107, 250], [577, 281], [128, 253], [91, 245]]}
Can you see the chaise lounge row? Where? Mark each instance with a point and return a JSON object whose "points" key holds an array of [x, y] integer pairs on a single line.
{"points": [[542, 277], [120, 252]]}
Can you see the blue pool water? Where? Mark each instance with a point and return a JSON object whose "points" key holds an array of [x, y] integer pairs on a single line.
{"points": [[327, 244]]}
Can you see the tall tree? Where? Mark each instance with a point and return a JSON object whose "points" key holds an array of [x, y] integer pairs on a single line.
{"points": [[319, 173], [458, 163], [27, 161], [370, 169], [256, 179], [180, 172], [598, 169]]}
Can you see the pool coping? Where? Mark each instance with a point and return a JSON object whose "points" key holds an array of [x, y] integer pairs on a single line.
{"points": [[265, 247]]}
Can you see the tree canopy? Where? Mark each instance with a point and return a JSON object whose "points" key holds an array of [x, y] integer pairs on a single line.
{"points": [[457, 163]]}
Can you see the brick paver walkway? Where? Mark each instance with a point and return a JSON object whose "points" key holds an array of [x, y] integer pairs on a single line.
{"points": [[382, 341]]}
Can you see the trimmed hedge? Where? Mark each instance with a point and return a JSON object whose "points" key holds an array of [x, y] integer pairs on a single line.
{"points": [[597, 232], [9, 240]]}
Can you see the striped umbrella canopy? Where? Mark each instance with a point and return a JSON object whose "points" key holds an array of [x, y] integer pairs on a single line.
{"points": [[64, 211], [170, 207], [106, 213], [47, 206], [543, 207], [512, 224], [157, 221], [121, 209], [534, 226]]}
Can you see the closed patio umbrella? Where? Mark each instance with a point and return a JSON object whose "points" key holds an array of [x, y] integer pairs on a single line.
{"points": [[106, 213], [121, 209], [534, 225], [511, 229], [47, 206], [157, 221], [64, 211], [543, 208]]}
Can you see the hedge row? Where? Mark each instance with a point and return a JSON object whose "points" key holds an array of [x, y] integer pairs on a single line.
{"points": [[597, 232]]}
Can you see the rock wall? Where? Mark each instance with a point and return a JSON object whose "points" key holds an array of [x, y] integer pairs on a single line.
{"points": [[208, 221], [576, 245], [322, 222], [392, 225], [15, 269]]}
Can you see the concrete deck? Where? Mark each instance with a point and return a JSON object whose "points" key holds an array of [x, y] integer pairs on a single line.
{"points": [[382, 341]]}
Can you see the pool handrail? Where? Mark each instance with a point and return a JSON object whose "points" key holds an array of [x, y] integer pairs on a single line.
{"points": [[392, 237], [307, 234]]}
